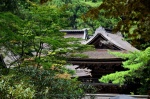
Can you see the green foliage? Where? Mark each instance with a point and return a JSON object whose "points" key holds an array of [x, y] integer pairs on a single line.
{"points": [[40, 28], [9, 24], [10, 89], [91, 3], [79, 56], [77, 11], [134, 14], [32, 83], [137, 65], [33, 36], [98, 20], [8, 5]]}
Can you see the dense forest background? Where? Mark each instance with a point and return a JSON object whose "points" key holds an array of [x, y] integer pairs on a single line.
{"points": [[28, 26], [123, 16]]}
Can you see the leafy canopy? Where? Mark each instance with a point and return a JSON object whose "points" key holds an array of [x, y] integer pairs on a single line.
{"points": [[134, 19], [138, 67], [33, 40]]}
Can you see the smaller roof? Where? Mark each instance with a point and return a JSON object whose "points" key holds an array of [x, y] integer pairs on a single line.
{"points": [[75, 30], [71, 30], [76, 33], [78, 71], [73, 33]]}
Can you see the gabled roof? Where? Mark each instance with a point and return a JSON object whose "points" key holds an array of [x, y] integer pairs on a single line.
{"points": [[114, 39]]}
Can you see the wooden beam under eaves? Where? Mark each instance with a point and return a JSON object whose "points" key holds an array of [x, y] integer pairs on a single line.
{"points": [[85, 62]]}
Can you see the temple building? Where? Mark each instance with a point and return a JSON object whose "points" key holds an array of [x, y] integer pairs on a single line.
{"points": [[101, 62]]}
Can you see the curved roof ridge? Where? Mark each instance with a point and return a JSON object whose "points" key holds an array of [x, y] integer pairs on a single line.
{"points": [[95, 34], [117, 40], [107, 36]]}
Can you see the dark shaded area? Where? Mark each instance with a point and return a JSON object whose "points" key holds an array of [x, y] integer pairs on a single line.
{"points": [[102, 67], [2, 63]]}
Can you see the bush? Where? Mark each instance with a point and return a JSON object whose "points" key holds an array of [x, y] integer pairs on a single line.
{"points": [[30, 83]]}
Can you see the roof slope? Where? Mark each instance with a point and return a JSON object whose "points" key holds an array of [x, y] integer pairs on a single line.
{"points": [[101, 54], [115, 39]]}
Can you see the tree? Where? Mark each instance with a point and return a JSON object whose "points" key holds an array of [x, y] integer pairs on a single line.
{"points": [[134, 15], [41, 28], [32, 83], [76, 10], [138, 70], [73, 9], [100, 20], [41, 52]]}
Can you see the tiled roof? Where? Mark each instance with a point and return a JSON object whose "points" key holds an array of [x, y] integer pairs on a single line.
{"points": [[101, 54], [115, 39], [77, 35]]}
